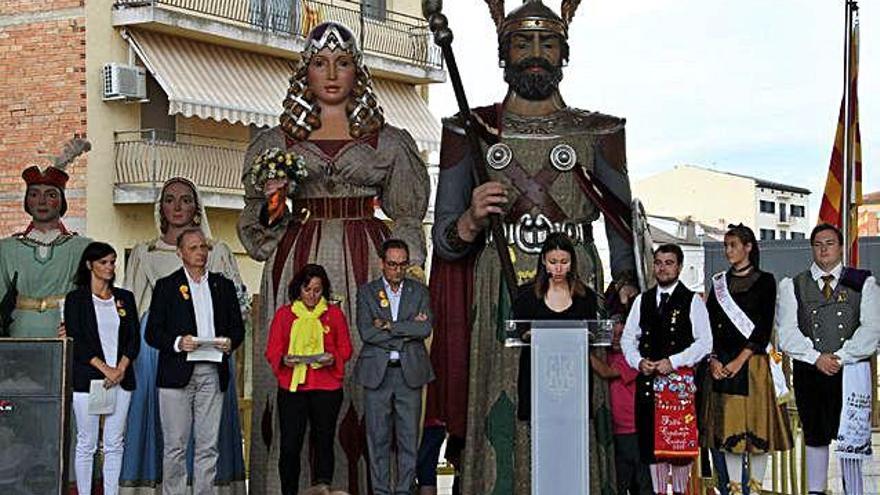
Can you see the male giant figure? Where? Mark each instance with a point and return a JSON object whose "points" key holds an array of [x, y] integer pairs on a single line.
{"points": [[545, 159], [37, 265], [394, 319]]}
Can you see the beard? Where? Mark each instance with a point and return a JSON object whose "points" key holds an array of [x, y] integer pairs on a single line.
{"points": [[533, 85]]}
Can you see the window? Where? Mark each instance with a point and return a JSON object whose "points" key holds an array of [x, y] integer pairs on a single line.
{"points": [[374, 9], [156, 124], [782, 234], [768, 206], [798, 235], [768, 234], [797, 211], [783, 213]]}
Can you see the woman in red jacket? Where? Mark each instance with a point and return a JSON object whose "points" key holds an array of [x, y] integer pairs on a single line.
{"points": [[307, 348]]}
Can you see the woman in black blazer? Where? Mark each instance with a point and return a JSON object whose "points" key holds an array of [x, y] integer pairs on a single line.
{"points": [[102, 321]]}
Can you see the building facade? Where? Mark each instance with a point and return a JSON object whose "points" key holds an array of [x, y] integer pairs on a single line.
{"points": [[716, 199], [178, 87], [869, 215]]}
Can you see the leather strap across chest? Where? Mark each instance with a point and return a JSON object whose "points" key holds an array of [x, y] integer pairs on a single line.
{"points": [[534, 191]]}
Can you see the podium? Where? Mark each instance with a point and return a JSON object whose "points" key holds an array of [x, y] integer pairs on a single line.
{"points": [[560, 399]]}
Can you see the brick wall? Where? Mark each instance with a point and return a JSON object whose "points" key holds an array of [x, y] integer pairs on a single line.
{"points": [[42, 99]]}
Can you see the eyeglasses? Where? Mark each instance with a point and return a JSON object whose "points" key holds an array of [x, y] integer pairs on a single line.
{"points": [[397, 264]]}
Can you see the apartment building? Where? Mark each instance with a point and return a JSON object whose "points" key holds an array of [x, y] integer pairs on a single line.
{"points": [[716, 198], [869, 215]]}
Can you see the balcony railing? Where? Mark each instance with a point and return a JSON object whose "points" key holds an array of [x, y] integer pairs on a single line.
{"points": [[149, 157], [391, 34]]}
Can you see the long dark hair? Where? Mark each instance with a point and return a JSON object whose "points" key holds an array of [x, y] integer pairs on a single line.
{"points": [[746, 236], [558, 241], [93, 252], [304, 276]]}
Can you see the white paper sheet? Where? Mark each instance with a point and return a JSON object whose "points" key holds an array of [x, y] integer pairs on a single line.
{"points": [[101, 400], [206, 350]]}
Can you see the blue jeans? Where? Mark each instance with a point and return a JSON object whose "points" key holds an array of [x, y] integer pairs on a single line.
{"points": [[721, 473]]}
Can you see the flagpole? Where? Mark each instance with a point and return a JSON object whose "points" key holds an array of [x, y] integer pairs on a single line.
{"points": [[847, 127]]}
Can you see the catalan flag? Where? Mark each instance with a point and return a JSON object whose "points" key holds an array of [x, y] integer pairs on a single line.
{"points": [[832, 208], [311, 17]]}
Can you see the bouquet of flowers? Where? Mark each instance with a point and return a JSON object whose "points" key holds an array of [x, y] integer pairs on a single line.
{"points": [[275, 163]]}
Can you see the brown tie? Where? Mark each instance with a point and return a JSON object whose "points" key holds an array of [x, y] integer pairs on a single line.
{"points": [[826, 289]]}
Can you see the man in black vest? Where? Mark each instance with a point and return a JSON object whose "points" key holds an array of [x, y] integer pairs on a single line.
{"points": [[667, 330], [828, 319]]}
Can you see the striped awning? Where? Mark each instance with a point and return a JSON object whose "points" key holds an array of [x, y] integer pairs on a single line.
{"points": [[221, 83], [406, 109], [212, 81]]}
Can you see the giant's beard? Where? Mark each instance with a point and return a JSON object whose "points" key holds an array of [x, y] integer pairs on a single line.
{"points": [[533, 85]]}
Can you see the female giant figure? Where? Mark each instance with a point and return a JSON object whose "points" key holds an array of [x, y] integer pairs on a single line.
{"points": [[354, 161]]}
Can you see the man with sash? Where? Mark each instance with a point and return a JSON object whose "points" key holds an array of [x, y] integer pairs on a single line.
{"points": [[551, 168], [37, 264], [666, 335], [828, 319]]}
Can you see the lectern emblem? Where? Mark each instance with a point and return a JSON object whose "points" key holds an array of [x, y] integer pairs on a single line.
{"points": [[559, 374]]}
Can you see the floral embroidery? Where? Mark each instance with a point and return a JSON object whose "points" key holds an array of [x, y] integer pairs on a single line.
{"points": [[120, 308], [383, 299], [184, 292]]}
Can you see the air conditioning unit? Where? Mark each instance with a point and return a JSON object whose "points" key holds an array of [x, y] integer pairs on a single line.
{"points": [[124, 82]]}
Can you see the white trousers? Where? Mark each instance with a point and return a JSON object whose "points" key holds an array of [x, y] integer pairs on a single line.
{"points": [[87, 426], [662, 472]]}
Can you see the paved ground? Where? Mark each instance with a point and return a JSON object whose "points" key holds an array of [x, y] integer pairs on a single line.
{"points": [[835, 486], [871, 472]]}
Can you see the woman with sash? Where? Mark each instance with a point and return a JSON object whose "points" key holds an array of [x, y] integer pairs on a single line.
{"points": [[348, 162], [746, 420], [178, 207]]}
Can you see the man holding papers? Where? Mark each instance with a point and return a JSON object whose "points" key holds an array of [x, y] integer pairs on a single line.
{"points": [[195, 322]]}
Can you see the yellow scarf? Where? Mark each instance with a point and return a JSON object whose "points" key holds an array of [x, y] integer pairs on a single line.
{"points": [[306, 337]]}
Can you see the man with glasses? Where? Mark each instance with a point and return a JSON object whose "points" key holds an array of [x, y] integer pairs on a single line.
{"points": [[828, 319], [394, 319]]}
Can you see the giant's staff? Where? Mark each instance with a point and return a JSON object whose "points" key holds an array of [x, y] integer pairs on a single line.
{"points": [[439, 25]]}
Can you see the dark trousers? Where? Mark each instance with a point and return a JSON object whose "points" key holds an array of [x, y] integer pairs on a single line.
{"points": [[429, 455], [819, 399], [318, 409], [633, 477]]}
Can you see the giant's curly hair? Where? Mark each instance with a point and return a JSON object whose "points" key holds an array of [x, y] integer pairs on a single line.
{"points": [[302, 111]]}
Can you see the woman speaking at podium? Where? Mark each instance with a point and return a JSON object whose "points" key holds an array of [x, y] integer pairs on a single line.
{"points": [[558, 292]]}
